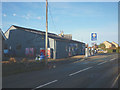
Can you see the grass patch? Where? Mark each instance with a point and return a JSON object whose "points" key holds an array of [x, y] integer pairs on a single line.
{"points": [[20, 67]]}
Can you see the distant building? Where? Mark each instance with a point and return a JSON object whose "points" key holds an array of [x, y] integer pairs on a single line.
{"points": [[67, 36], [25, 41], [109, 44]]}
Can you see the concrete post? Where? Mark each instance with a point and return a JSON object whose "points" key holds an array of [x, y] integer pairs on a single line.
{"points": [[86, 52]]}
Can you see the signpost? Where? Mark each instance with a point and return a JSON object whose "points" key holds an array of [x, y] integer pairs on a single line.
{"points": [[93, 39], [93, 36], [86, 51]]}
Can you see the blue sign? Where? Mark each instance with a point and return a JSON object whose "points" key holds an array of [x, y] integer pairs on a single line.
{"points": [[93, 36]]}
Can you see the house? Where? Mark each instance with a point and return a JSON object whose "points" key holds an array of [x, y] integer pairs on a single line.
{"points": [[2, 39], [24, 42], [108, 44]]}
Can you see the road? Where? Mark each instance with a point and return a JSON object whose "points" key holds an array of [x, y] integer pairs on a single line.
{"points": [[85, 73]]}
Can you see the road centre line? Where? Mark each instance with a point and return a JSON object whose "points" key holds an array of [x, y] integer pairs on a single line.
{"points": [[45, 84], [102, 63], [77, 73], [112, 59], [80, 71]]}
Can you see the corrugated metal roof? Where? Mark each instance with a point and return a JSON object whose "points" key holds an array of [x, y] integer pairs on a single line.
{"points": [[50, 35], [33, 30]]}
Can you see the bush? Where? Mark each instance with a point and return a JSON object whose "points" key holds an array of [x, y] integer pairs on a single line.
{"points": [[101, 45], [117, 50], [24, 60], [12, 60], [110, 50]]}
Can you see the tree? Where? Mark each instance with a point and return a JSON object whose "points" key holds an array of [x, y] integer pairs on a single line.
{"points": [[101, 45]]}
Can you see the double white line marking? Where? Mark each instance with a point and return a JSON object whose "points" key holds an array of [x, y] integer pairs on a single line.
{"points": [[80, 71]]}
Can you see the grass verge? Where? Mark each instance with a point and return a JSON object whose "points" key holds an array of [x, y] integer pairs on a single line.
{"points": [[20, 67]]}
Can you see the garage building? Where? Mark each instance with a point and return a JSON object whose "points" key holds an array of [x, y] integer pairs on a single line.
{"points": [[26, 42]]}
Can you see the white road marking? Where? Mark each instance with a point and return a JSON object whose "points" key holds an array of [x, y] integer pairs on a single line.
{"points": [[46, 84], [78, 61], [115, 81], [112, 59], [80, 71], [102, 63]]}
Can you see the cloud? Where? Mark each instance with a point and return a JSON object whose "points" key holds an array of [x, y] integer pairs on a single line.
{"points": [[4, 15], [39, 17], [28, 16], [14, 14]]}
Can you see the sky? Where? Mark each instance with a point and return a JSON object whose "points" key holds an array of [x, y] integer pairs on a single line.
{"points": [[77, 18]]}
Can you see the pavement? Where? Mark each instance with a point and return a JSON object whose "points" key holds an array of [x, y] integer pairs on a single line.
{"points": [[100, 71]]}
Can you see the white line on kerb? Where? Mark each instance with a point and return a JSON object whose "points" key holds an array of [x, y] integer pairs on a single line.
{"points": [[78, 61], [112, 59], [102, 63], [80, 71], [46, 84]]}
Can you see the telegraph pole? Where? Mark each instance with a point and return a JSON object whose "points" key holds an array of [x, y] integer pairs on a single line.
{"points": [[46, 41]]}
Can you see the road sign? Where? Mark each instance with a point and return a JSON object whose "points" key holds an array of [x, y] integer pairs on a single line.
{"points": [[93, 36]]}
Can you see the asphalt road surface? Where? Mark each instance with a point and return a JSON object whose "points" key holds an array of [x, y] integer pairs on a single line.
{"points": [[85, 73]]}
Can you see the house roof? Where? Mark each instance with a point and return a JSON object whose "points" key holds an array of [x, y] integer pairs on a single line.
{"points": [[107, 42], [2, 34], [114, 43], [110, 43], [50, 35]]}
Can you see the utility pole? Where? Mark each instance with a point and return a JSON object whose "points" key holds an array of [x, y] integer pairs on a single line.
{"points": [[46, 41]]}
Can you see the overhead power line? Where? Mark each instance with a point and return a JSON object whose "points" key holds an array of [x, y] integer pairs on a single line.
{"points": [[50, 13]]}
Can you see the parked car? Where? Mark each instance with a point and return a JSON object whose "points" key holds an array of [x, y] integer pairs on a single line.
{"points": [[102, 51]]}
